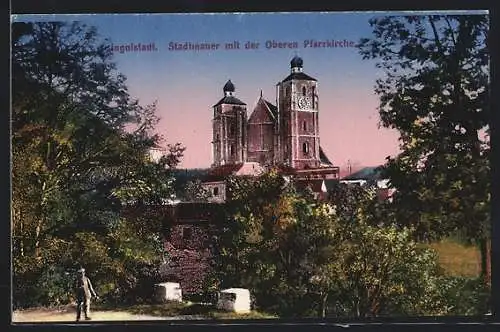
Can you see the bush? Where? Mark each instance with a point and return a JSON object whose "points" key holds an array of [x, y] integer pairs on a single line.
{"points": [[45, 286], [55, 286], [23, 289], [136, 284], [464, 296]]}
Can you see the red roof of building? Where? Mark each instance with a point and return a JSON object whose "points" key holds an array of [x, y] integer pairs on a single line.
{"points": [[219, 173]]}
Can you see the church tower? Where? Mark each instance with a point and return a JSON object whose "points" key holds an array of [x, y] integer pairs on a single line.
{"points": [[297, 100], [229, 127]]}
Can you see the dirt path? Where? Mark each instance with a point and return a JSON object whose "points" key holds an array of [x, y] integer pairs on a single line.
{"points": [[68, 316]]}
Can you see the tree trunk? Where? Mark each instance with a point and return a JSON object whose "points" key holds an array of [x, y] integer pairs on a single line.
{"points": [[18, 234], [40, 220], [357, 311], [37, 237], [323, 305], [21, 234]]}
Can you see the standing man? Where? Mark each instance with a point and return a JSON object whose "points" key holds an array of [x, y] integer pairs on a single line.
{"points": [[84, 292]]}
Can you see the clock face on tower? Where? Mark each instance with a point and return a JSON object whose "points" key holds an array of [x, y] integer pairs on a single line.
{"points": [[304, 103]]}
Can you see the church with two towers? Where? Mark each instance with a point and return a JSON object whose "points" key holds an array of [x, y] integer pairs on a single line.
{"points": [[285, 135]]}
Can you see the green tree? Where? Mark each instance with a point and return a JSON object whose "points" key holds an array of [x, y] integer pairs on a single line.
{"points": [[387, 273], [435, 91], [252, 255], [301, 257], [80, 149]]}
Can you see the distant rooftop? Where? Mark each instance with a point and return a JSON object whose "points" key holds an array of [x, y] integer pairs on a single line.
{"points": [[230, 100], [299, 76], [323, 158], [373, 173]]}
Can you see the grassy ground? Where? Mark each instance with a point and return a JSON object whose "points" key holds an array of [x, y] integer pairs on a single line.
{"points": [[458, 259]]}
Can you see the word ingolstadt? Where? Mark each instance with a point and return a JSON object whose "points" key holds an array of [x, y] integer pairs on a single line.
{"points": [[134, 47]]}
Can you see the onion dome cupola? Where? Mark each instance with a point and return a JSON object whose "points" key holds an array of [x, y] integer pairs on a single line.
{"points": [[228, 88], [229, 97], [296, 64]]}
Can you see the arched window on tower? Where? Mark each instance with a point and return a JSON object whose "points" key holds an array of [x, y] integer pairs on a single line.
{"points": [[231, 129], [304, 91], [287, 91], [231, 148], [305, 148], [304, 125]]}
